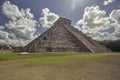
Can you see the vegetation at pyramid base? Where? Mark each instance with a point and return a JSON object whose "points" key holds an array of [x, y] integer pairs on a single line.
{"points": [[114, 45]]}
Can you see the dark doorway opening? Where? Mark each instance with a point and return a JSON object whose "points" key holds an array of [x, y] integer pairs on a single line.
{"points": [[49, 49], [45, 38]]}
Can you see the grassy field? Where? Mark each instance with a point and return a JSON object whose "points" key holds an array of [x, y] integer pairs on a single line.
{"points": [[51, 58], [59, 66]]}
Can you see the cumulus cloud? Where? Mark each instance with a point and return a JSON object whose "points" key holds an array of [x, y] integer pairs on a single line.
{"points": [[116, 34], [3, 35], [17, 42], [21, 27], [1, 27], [94, 20], [11, 10], [115, 17], [97, 25], [106, 2], [48, 18], [3, 42]]}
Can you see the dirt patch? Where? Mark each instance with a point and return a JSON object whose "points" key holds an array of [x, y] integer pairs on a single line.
{"points": [[109, 69]]}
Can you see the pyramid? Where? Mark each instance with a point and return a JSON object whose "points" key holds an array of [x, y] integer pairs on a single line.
{"points": [[63, 37]]}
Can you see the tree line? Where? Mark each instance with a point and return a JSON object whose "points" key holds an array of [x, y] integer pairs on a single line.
{"points": [[114, 45]]}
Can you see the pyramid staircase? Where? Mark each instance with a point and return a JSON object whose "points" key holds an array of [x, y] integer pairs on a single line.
{"points": [[91, 44]]}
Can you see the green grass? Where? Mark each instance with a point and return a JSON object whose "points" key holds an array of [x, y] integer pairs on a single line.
{"points": [[54, 58], [51, 58]]}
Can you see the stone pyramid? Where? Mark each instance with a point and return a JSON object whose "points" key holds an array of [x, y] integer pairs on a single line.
{"points": [[63, 37]]}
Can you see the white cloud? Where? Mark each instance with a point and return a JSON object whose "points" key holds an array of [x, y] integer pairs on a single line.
{"points": [[18, 42], [95, 23], [115, 16], [21, 27], [48, 18], [27, 13], [11, 10], [3, 42], [1, 27], [3, 35], [94, 20], [106, 2]]}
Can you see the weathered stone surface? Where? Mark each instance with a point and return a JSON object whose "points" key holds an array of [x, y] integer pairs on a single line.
{"points": [[63, 37], [5, 47]]}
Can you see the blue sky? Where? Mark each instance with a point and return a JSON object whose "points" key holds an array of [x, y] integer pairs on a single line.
{"points": [[61, 7], [102, 13]]}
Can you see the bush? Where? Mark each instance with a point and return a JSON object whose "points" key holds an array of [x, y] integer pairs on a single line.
{"points": [[114, 45]]}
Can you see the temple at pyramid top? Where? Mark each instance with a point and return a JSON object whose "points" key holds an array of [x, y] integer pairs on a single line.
{"points": [[63, 37], [67, 21]]}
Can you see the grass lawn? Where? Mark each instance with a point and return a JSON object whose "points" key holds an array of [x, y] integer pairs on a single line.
{"points": [[52, 58], [59, 66]]}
